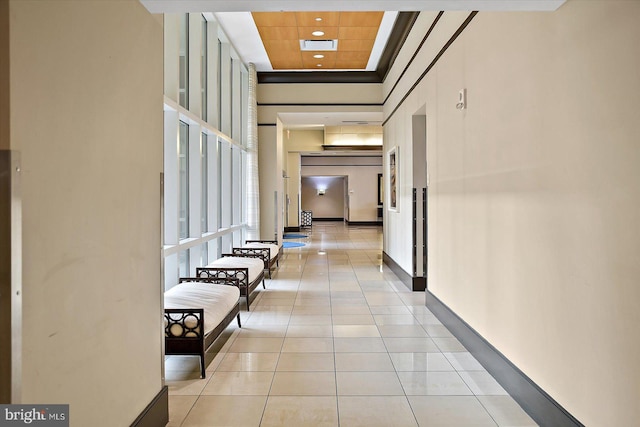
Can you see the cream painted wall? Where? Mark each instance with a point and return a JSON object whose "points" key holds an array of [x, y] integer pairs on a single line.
{"points": [[303, 140], [271, 182], [320, 93], [86, 117], [293, 189], [329, 205], [4, 76], [534, 194]]}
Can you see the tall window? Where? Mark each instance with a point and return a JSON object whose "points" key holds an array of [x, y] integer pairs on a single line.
{"points": [[184, 61], [203, 69], [221, 199], [219, 84], [183, 261], [183, 159], [204, 254], [205, 188], [231, 112]]}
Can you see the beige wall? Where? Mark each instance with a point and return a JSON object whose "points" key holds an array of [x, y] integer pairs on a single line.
{"points": [[271, 182], [4, 75], [329, 205], [320, 93], [534, 195], [86, 117]]}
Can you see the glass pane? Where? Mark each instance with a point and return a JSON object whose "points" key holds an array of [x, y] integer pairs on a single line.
{"points": [[205, 177], [219, 84], [203, 69], [183, 158], [184, 61], [232, 131], [236, 180], [204, 260], [183, 262]]}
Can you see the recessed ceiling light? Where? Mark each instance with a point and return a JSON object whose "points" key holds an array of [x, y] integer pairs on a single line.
{"points": [[318, 19], [318, 56], [318, 33], [319, 65]]}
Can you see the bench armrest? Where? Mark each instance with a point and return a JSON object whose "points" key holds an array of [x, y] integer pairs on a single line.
{"points": [[238, 274], [263, 253], [184, 323]]}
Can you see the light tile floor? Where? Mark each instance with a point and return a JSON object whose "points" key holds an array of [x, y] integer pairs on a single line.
{"points": [[337, 340]]}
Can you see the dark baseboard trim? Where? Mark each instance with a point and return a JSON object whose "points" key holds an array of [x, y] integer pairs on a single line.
{"points": [[287, 229], [410, 282], [355, 223], [327, 219], [536, 402], [156, 413]]}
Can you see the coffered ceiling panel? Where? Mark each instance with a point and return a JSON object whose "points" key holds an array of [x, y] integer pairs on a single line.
{"points": [[309, 19], [306, 33], [282, 32]]}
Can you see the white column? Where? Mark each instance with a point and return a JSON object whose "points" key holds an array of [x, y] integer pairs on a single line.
{"points": [[253, 186]]}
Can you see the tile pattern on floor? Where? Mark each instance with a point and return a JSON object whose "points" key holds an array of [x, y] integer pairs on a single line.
{"points": [[337, 340]]}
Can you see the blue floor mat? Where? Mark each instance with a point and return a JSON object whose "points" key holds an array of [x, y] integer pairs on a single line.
{"points": [[292, 244], [295, 236]]}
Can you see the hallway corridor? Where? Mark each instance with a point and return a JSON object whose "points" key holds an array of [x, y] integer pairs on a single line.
{"points": [[337, 340]]}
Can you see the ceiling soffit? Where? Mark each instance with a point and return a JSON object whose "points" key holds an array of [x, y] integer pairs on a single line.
{"points": [[403, 24]]}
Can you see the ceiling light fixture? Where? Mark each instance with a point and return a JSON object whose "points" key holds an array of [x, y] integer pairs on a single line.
{"points": [[318, 19], [318, 33], [319, 65], [318, 45], [318, 56]]}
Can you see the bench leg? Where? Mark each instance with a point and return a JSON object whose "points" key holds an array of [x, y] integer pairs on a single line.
{"points": [[203, 373], [263, 286], [238, 317]]}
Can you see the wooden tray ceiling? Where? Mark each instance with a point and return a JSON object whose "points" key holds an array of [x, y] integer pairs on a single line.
{"points": [[281, 33]]}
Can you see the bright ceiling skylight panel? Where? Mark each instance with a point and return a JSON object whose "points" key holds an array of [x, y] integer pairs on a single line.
{"points": [[318, 44]]}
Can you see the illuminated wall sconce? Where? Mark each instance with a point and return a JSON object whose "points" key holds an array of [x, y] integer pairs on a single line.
{"points": [[462, 100], [321, 191]]}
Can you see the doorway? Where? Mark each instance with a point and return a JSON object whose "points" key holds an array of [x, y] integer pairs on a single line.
{"points": [[325, 196]]}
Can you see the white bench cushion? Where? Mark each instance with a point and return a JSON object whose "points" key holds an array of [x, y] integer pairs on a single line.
{"points": [[255, 265], [273, 249], [216, 300]]}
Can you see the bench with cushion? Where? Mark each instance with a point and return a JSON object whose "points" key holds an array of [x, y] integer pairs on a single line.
{"points": [[246, 269], [274, 251], [196, 312]]}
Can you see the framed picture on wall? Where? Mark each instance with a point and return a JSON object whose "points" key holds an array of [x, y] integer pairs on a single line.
{"points": [[392, 172]]}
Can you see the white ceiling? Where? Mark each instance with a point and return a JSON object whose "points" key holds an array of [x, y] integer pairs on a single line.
{"points": [[182, 6], [319, 119]]}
